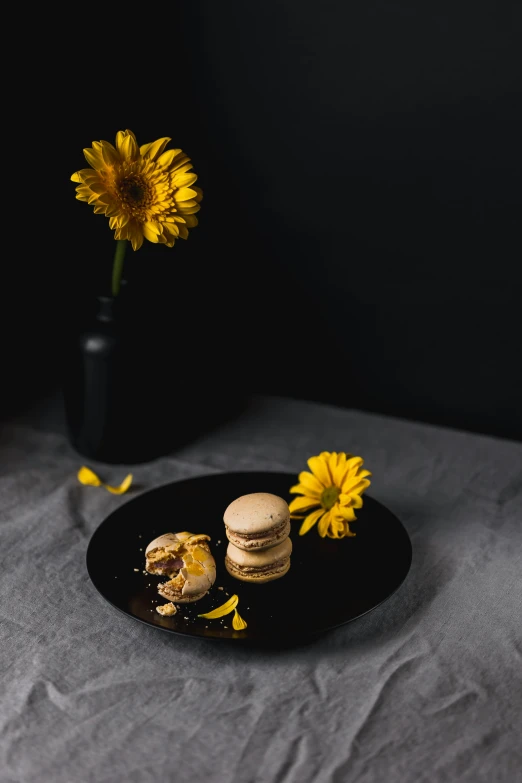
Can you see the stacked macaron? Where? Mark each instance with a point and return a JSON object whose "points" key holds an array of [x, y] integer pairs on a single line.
{"points": [[257, 527]]}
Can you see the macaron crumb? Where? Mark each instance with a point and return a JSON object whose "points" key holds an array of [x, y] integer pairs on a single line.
{"points": [[167, 610], [137, 570]]}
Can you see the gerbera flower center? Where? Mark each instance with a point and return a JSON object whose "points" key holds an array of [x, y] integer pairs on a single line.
{"points": [[133, 191], [329, 497]]}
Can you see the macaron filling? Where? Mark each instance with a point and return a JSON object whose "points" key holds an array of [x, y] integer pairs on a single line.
{"points": [[253, 540]]}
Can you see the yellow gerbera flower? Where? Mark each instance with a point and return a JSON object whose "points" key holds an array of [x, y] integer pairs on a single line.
{"points": [[335, 485], [146, 192]]}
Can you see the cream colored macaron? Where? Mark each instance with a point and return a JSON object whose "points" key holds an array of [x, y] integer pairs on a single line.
{"points": [[257, 521], [261, 565]]}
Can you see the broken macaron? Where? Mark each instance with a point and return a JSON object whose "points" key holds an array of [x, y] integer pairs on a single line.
{"points": [[188, 562]]}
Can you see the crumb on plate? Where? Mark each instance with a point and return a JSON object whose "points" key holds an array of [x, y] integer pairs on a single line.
{"points": [[167, 610]]}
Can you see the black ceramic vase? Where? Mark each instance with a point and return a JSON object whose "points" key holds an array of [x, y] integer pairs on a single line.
{"points": [[114, 387]]}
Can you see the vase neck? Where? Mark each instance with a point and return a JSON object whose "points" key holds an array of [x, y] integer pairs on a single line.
{"points": [[105, 308]]}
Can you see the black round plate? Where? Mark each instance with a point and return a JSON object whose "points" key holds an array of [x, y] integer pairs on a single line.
{"points": [[330, 582]]}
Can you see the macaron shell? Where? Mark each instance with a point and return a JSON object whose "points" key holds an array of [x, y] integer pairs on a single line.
{"points": [[253, 577], [260, 558], [257, 512], [167, 539], [183, 599]]}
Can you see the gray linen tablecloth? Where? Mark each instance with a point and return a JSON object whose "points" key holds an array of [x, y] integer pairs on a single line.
{"points": [[428, 687]]}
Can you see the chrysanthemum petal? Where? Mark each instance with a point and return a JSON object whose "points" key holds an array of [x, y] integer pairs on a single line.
{"points": [[355, 501], [319, 468], [354, 486], [222, 610], [302, 504], [300, 489], [88, 477], [238, 624], [354, 464], [336, 527], [322, 527], [347, 513], [121, 488], [312, 484], [310, 521]]}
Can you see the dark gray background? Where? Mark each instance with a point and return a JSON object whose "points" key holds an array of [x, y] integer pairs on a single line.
{"points": [[361, 164]]}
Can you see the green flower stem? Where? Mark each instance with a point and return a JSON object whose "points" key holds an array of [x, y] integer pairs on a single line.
{"points": [[117, 266]]}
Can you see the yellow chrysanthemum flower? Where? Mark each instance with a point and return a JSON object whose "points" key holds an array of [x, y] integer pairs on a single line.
{"points": [[146, 192], [335, 485]]}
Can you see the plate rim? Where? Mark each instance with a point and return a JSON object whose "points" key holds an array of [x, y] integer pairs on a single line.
{"points": [[300, 637]]}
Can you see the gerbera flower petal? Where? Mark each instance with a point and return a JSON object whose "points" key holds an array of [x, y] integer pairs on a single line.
{"points": [[154, 148], [302, 504], [166, 158], [94, 158], [110, 154], [184, 180], [310, 521], [184, 194], [319, 468]]}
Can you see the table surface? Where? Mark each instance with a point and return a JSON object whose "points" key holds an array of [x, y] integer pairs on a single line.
{"points": [[427, 687]]}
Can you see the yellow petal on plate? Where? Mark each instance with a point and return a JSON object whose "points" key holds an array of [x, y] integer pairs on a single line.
{"points": [[222, 610], [88, 477], [237, 622]]}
